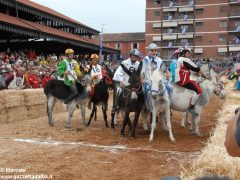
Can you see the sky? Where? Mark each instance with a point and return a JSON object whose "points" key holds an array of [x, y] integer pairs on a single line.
{"points": [[114, 16]]}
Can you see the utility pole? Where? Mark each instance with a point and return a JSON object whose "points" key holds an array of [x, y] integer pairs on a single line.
{"points": [[101, 43]]}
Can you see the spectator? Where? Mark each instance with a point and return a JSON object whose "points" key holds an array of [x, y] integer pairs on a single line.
{"points": [[17, 79], [46, 78], [3, 79], [33, 79]]}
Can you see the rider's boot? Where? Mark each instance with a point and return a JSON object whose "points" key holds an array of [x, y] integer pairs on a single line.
{"points": [[192, 109]]}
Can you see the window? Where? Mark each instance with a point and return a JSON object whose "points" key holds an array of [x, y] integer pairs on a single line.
{"points": [[118, 46], [223, 9], [223, 24], [134, 45], [199, 11], [237, 23], [222, 37], [198, 24], [157, 13]]}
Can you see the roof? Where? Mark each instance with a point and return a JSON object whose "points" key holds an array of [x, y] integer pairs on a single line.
{"points": [[137, 36], [50, 11], [13, 21]]}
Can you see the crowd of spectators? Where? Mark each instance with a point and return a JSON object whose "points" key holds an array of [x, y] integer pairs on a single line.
{"points": [[24, 69]]}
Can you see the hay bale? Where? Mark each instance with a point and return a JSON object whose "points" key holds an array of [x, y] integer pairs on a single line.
{"points": [[2, 100], [16, 114], [36, 111], [34, 97], [14, 98], [214, 159], [3, 117]]}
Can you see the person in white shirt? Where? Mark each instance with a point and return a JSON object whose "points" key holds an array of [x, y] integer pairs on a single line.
{"points": [[121, 77], [149, 62]]}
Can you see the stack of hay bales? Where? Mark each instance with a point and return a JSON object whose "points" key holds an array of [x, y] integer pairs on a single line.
{"points": [[17, 105], [214, 159]]}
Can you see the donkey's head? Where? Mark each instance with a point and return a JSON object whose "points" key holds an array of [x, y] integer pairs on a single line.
{"points": [[218, 84], [134, 81], [157, 84], [86, 82]]}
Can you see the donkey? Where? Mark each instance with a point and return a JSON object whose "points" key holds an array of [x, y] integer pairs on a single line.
{"points": [[100, 97], [131, 100], [181, 97], [160, 103], [219, 90], [57, 90]]}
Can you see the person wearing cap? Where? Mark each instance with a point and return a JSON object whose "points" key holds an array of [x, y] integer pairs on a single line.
{"points": [[149, 62], [236, 76], [173, 64], [96, 71], [121, 77], [70, 71], [186, 66]]}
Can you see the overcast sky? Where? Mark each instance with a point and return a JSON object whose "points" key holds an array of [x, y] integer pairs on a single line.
{"points": [[117, 15]]}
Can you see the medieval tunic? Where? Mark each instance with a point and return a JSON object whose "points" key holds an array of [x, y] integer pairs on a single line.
{"points": [[120, 74], [71, 66]]}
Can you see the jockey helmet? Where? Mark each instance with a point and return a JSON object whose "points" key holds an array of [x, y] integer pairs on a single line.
{"points": [[134, 52], [152, 46], [184, 50], [94, 56], [68, 51], [176, 52]]}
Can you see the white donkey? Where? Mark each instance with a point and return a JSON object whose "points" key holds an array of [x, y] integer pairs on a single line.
{"points": [[218, 89], [181, 97], [160, 103]]}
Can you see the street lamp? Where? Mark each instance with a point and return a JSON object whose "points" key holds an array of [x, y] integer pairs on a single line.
{"points": [[101, 43]]}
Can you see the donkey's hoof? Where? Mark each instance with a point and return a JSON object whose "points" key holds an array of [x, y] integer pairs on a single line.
{"points": [[150, 140], [67, 126], [199, 135], [51, 124], [173, 141]]}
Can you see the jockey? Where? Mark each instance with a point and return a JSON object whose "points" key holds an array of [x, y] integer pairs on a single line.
{"points": [[151, 60], [121, 76], [185, 66], [173, 64], [97, 73], [69, 70]]}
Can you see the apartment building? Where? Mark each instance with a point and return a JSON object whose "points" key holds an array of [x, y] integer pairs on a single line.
{"points": [[211, 28]]}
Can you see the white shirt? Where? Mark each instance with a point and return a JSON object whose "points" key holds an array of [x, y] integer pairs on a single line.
{"points": [[148, 65], [96, 73], [121, 76]]}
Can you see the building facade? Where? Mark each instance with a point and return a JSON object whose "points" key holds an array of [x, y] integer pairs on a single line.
{"points": [[210, 28], [125, 42]]}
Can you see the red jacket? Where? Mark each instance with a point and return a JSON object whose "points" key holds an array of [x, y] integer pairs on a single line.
{"points": [[34, 81], [45, 80]]}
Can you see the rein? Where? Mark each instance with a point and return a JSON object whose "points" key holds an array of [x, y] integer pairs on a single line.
{"points": [[159, 92]]}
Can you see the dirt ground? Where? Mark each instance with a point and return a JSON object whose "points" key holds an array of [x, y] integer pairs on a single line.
{"points": [[98, 152]]}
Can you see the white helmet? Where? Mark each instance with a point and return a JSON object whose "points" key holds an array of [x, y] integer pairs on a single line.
{"points": [[152, 46]]}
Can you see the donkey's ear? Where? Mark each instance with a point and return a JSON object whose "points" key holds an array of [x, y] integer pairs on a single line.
{"points": [[126, 70], [139, 69]]}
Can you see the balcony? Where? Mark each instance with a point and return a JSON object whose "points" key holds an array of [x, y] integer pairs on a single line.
{"points": [[185, 9], [233, 1], [174, 9], [198, 50], [157, 38], [235, 14], [185, 36], [187, 3], [169, 18], [235, 47], [234, 29], [170, 24], [170, 44], [157, 25], [169, 37], [222, 50]]}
